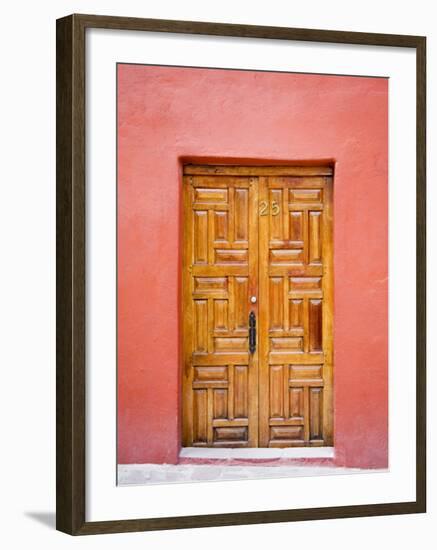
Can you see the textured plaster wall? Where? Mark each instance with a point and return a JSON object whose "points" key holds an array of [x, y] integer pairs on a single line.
{"points": [[169, 114]]}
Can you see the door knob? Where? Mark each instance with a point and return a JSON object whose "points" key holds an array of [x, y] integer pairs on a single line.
{"points": [[253, 299]]}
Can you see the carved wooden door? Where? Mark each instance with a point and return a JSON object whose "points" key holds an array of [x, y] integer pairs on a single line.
{"points": [[257, 306]]}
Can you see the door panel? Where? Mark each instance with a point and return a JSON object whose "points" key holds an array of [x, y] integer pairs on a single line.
{"points": [[295, 298], [256, 231], [219, 276]]}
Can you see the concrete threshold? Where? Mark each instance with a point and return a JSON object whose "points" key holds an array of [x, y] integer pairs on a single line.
{"points": [[152, 474], [256, 453]]}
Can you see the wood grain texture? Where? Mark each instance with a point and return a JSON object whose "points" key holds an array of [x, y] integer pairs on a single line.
{"points": [[70, 275], [421, 488], [294, 308], [249, 31], [229, 170], [220, 263]]}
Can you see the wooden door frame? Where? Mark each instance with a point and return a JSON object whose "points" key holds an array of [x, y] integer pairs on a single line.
{"points": [[259, 171]]}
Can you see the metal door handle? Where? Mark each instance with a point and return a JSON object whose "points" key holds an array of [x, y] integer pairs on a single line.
{"points": [[252, 332]]}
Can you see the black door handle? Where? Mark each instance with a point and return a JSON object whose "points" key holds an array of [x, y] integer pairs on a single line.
{"points": [[252, 332]]}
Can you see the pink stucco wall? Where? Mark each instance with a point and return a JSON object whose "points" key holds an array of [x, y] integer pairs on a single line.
{"points": [[168, 114]]}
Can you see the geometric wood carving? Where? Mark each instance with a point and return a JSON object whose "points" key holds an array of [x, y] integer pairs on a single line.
{"points": [[268, 236]]}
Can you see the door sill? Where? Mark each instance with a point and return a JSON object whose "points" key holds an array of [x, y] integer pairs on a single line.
{"points": [[257, 452]]}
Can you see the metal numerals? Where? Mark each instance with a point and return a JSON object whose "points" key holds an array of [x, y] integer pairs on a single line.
{"points": [[264, 208]]}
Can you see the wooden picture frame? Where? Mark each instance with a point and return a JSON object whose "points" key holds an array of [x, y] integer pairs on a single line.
{"points": [[71, 283]]}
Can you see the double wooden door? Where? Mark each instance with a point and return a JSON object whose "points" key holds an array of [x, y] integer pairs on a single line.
{"points": [[257, 306]]}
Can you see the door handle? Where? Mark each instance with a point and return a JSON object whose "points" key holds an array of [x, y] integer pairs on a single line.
{"points": [[252, 332]]}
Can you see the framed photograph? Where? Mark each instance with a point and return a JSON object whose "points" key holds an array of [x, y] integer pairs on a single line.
{"points": [[240, 274]]}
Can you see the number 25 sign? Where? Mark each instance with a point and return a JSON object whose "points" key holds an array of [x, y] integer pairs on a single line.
{"points": [[264, 208]]}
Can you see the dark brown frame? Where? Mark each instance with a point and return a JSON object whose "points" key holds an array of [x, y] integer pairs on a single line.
{"points": [[70, 274]]}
